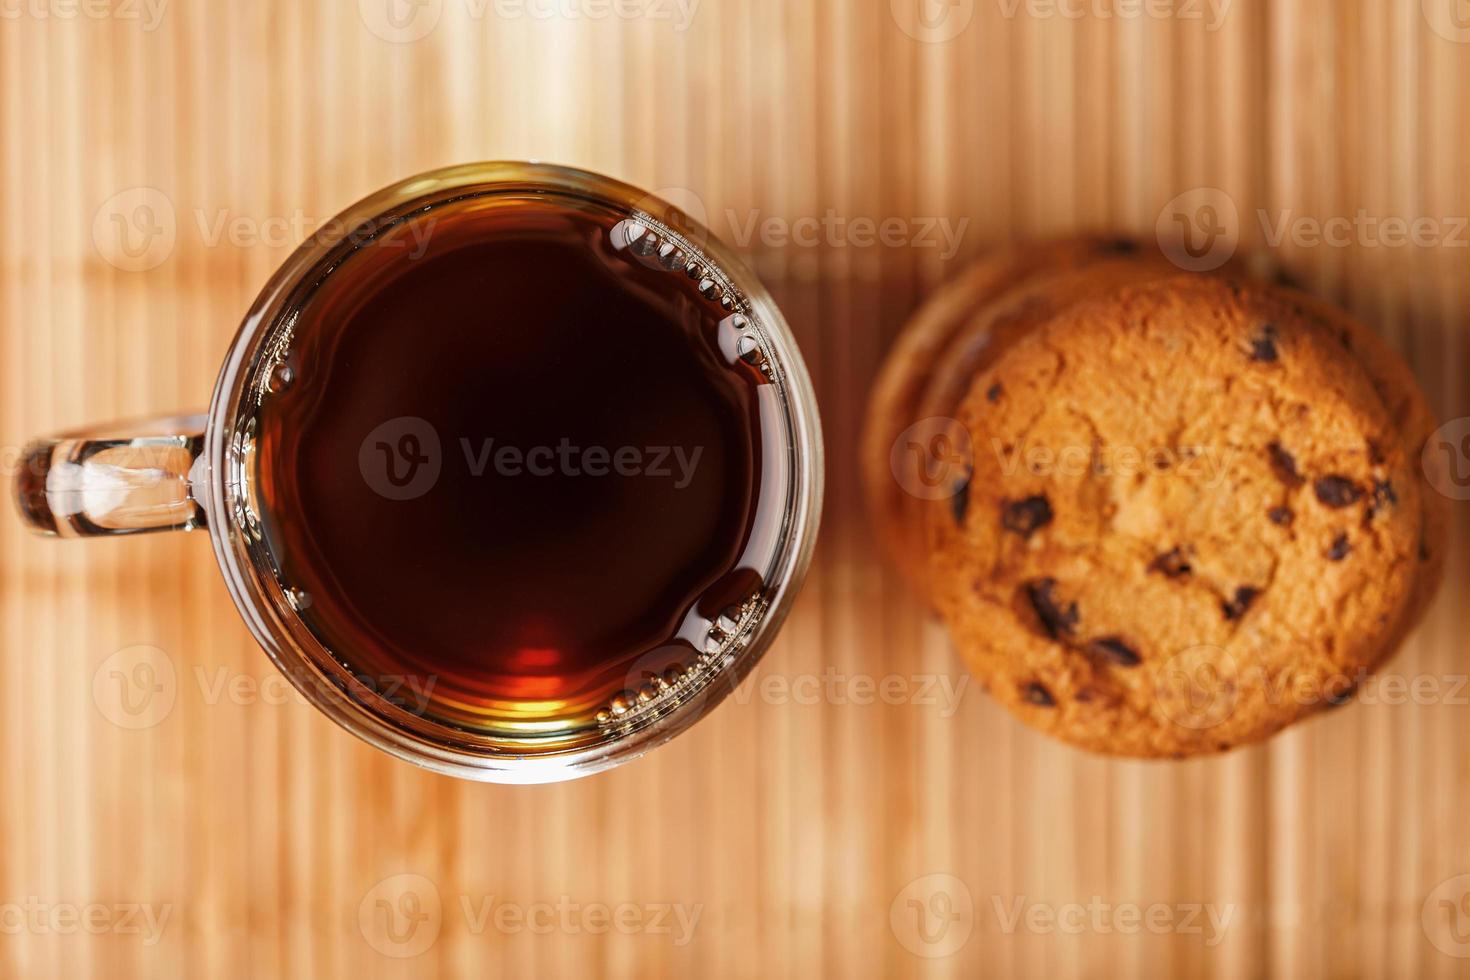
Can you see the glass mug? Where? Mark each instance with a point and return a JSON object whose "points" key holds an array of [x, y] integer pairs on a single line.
{"points": [[222, 472]]}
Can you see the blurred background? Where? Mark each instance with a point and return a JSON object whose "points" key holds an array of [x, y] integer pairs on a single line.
{"points": [[859, 808]]}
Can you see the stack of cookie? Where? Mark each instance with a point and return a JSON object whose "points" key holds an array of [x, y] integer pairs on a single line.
{"points": [[1162, 514]]}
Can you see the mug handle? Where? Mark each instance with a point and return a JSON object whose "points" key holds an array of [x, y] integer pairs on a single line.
{"points": [[126, 479]]}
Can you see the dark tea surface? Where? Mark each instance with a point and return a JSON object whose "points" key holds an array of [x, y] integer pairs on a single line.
{"points": [[506, 463]]}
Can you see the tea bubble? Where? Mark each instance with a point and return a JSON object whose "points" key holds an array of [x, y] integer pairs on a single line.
{"points": [[280, 378]]}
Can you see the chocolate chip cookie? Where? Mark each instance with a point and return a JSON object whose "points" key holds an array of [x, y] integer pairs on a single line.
{"points": [[1416, 421], [924, 522], [1190, 515], [891, 474]]}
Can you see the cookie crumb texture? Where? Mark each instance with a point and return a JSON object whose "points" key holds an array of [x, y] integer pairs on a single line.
{"points": [[962, 323], [1194, 517]]}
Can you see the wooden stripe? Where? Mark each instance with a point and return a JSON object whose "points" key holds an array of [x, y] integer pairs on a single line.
{"points": [[792, 827]]}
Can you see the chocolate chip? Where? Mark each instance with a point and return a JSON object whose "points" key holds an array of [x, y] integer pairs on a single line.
{"points": [[1058, 620], [1037, 694], [1172, 563], [1384, 496], [1115, 650], [959, 502], [1025, 517], [1375, 453], [1086, 695], [1283, 464], [1338, 698], [1281, 515], [1337, 491], [1263, 346], [1340, 548], [993, 393], [1118, 246], [1244, 596]]}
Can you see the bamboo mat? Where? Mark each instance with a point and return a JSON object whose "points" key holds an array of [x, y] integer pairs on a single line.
{"points": [[785, 835]]}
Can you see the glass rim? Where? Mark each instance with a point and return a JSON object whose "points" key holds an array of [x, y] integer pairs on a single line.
{"points": [[421, 740]]}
